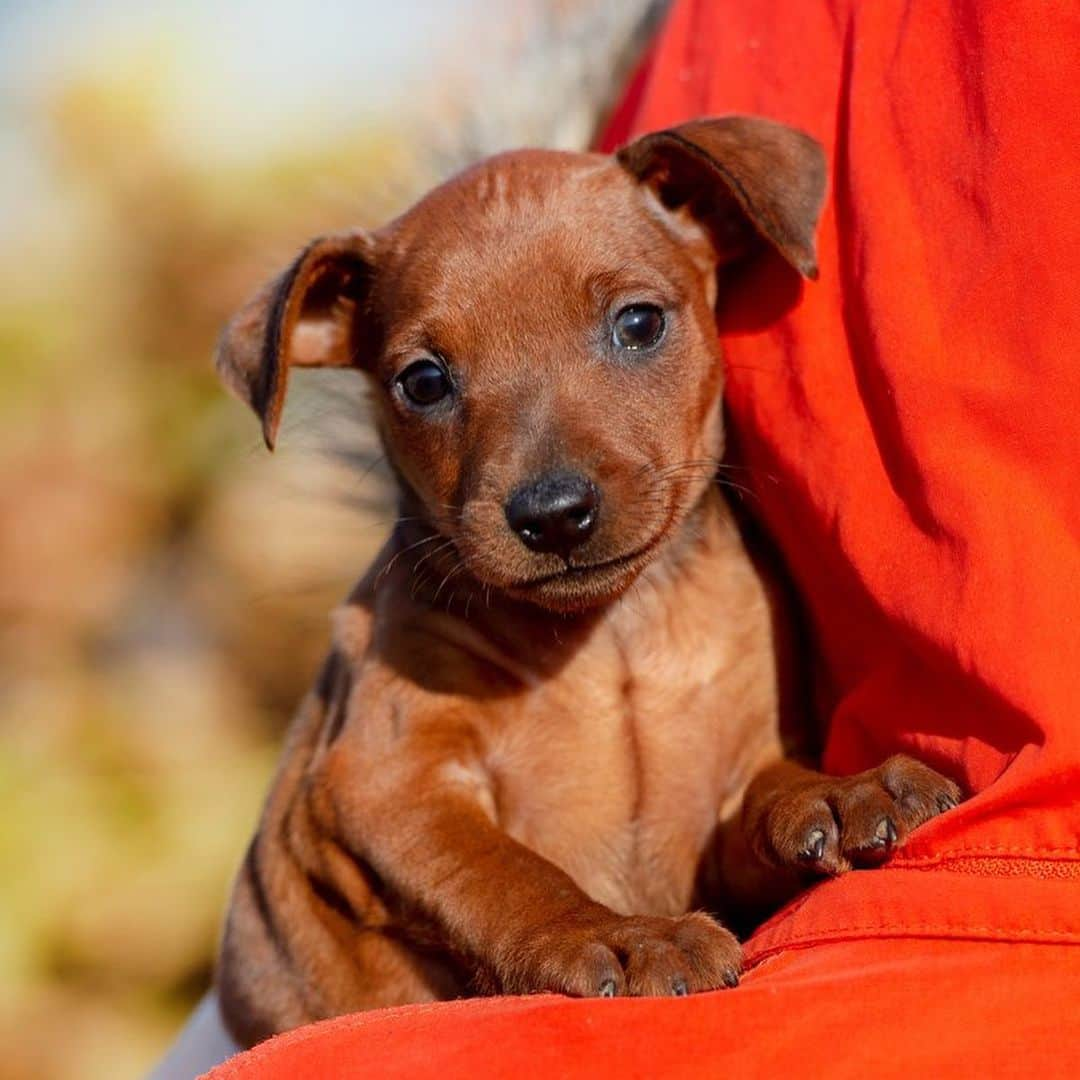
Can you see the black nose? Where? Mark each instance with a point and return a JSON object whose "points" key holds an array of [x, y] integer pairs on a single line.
{"points": [[555, 513]]}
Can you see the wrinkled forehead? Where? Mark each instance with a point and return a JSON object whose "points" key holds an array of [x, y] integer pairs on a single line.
{"points": [[524, 239]]}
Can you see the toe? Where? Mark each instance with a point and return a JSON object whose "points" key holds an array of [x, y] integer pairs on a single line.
{"points": [[814, 847], [803, 832], [920, 793], [594, 972], [870, 826]]}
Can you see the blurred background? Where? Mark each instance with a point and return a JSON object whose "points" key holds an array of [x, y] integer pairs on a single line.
{"points": [[164, 582]]}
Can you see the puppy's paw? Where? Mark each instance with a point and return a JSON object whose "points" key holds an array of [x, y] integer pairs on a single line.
{"points": [[607, 955], [832, 824]]}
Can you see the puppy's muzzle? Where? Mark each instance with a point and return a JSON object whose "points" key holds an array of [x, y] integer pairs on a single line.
{"points": [[555, 513]]}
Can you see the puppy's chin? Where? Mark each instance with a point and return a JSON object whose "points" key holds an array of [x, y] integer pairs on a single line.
{"points": [[576, 594], [580, 589]]}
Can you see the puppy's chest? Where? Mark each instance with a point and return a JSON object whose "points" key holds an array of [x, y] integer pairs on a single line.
{"points": [[619, 769]]}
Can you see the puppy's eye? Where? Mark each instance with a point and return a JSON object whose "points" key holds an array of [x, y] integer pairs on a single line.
{"points": [[424, 383], [638, 326]]}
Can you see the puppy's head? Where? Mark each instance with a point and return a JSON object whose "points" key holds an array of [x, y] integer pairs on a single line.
{"points": [[540, 339]]}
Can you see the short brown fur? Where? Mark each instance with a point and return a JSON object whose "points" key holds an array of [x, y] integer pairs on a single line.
{"points": [[521, 769]]}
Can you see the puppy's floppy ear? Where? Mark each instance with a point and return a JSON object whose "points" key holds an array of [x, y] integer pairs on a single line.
{"points": [[311, 315], [735, 169]]}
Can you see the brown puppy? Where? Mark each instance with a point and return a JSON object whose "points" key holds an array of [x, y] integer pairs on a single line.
{"points": [[548, 728]]}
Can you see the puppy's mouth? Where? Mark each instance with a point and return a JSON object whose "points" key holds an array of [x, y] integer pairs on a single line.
{"points": [[572, 572]]}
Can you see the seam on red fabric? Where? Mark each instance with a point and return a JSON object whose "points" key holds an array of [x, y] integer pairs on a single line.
{"points": [[996, 849], [958, 932], [989, 866]]}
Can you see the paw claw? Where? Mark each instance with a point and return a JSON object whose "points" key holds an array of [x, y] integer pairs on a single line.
{"points": [[679, 988], [885, 834], [607, 988], [731, 979], [815, 846]]}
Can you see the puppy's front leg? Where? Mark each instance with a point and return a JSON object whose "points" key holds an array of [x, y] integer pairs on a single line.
{"points": [[422, 815]]}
